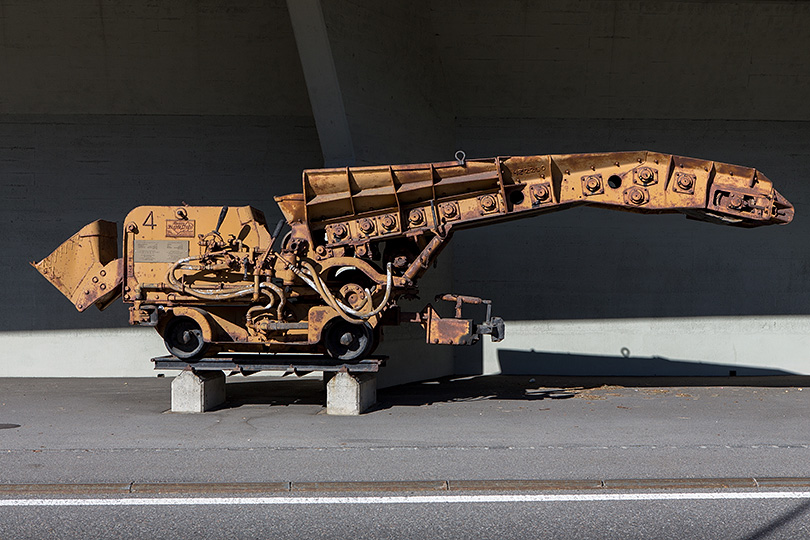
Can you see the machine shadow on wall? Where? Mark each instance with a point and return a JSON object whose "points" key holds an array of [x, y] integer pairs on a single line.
{"points": [[516, 362]]}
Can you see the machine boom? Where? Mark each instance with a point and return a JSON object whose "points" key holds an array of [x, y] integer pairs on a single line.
{"points": [[215, 279]]}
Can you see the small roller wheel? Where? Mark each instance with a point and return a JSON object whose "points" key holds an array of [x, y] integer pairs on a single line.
{"points": [[346, 341], [184, 338]]}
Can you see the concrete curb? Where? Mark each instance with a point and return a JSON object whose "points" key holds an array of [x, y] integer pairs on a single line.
{"points": [[403, 486]]}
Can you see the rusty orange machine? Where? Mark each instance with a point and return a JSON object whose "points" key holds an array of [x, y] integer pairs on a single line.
{"points": [[356, 240]]}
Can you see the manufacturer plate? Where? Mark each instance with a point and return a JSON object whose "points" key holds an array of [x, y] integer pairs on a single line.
{"points": [[180, 228], [160, 251]]}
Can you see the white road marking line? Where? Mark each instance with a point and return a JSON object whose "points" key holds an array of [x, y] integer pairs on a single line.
{"points": [[416, 499]]}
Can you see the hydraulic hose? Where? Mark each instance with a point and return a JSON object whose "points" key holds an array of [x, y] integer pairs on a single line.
{"points": [[225, 295], [310, 276]]}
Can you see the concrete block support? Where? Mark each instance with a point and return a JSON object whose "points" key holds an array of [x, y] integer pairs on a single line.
{"points": [[350, 395], [197, 392]]}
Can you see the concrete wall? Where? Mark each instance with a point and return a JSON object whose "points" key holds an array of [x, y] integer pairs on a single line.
{"points": [[398, 111], [590, 281], [108, 105], [717, 80], [729, 60], [391, 77]]}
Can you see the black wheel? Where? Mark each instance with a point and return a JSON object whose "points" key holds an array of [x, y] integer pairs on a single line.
{"points": [[347, 341], [184, 338]]}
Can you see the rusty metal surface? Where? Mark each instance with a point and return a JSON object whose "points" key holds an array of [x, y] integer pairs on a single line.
{"points": [[85, 268], [356, 240], [524, 485], [253, 363], [360, 487], [681, 483], [190, 488]]}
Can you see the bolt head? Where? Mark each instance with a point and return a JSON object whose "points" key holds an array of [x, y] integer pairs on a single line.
{"points": [[488, 203], [449, 210], [339, 231], [416, 217], [592, 185], [346, 339], [735, 202], [685, 182], [366, 226], [646, 175], [541, 193], [636, 196], [388, 222]]}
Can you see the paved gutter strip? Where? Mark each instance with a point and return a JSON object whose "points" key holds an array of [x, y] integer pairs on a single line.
{"points": [[782, 482], [212, 488], [405, 486], [523, 485], [359, 487], [65, 489], [682, 483]]}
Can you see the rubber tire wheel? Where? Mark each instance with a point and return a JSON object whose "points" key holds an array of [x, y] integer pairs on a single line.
{"points": [[184, 338], [346, 341]]}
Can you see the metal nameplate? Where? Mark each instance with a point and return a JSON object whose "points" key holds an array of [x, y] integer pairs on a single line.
{"points": [[160, 251], [180, 228]]}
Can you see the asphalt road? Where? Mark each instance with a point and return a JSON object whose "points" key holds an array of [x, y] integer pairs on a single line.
{"points": [[113, 430], [710, 520]]}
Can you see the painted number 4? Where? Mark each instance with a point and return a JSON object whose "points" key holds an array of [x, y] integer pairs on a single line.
{"points": [[150, 220]]}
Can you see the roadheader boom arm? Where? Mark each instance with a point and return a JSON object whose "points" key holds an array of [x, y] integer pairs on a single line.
{"points": [[216, 279]]}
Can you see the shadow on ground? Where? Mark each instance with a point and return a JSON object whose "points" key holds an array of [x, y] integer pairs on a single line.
{"points": [[274, 392], [517, 362], [286, 392]]}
